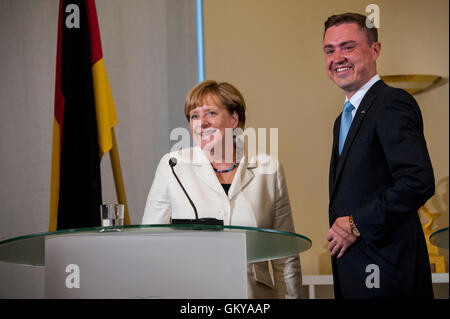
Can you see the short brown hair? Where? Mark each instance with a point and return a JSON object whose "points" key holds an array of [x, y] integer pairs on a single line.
{"points": [[359, 19], [225, 94]]}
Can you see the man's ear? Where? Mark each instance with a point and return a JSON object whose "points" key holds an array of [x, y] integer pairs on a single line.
{"points": [[376, 48]]}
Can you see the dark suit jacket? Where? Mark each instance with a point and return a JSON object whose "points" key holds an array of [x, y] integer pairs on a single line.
{"points": [[383, 176]]}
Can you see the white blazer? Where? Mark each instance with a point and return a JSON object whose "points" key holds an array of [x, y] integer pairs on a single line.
{"points": [[257, 197]]}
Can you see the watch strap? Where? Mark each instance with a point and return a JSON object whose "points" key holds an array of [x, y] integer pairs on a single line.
{"points": [[353, 227]]}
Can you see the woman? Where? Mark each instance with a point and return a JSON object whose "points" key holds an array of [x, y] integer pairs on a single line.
{"points": [[225, 184]]}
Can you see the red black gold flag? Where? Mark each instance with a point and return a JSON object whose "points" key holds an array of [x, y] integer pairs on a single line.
{"points": [[83, 118]]}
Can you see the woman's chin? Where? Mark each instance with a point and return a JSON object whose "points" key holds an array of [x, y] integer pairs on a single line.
{"points": [[204, 145], [208, 146]]}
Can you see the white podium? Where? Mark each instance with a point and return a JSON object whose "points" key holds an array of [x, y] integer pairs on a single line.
{"points": [[140, 261]]}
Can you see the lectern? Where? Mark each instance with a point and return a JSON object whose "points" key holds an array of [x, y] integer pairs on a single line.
{"points": [[140, 261]]}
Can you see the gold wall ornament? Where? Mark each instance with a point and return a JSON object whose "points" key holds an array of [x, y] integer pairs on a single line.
{"points": [[433, 251], [412, 83]]}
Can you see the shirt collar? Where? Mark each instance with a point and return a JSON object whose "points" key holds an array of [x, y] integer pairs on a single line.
{"points": [[359, 95]]}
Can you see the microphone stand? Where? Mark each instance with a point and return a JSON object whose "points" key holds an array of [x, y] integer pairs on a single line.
{"points": [[196, 221]]}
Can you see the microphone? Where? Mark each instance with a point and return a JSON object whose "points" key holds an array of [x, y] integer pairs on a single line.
{"points": [[201, 221]]}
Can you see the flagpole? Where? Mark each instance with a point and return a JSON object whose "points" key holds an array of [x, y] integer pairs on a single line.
{"points": [[118, 179]]}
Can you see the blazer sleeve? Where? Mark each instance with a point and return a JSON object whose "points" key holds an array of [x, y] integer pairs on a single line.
{"points": [[399, 129], [287, 270], [158, 209]]}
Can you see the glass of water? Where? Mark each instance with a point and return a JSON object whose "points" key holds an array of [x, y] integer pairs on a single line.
{"points": [[107, 215], [119, 215]]}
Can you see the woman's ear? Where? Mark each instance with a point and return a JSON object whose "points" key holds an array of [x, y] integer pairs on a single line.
{"points": [[235, 118]]}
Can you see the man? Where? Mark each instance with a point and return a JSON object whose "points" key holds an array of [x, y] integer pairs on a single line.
{"points": [[380, 173]]}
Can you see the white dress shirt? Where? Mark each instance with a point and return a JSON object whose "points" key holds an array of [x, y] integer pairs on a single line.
{"points": [[356, 99]]}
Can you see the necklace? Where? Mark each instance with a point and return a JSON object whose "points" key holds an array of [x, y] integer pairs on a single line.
{"points": [[225, 170]]}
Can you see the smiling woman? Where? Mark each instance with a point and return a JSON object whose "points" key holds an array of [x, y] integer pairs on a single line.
{"points": [[224, 184], [223, 94], [214, 110], [211, 126]]}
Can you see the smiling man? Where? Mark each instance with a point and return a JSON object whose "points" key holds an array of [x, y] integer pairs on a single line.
{"points": [[380, 173]]}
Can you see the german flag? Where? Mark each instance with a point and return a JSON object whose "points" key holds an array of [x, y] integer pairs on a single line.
{"points": [[83, 118]]}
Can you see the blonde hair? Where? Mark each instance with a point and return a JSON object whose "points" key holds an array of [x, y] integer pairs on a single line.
{"points": [[224, 94]]}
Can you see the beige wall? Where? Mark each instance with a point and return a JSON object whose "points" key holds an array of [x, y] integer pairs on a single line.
{"points": [[271, 50]]}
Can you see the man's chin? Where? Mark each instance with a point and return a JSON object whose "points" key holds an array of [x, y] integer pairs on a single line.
{"points": [[347, 86]]}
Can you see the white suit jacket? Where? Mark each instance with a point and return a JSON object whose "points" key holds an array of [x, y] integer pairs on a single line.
{"points": [[257, 197]]}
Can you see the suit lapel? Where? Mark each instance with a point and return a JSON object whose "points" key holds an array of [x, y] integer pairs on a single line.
{"points": [[203, 170], [363, 108], [244, 175]]}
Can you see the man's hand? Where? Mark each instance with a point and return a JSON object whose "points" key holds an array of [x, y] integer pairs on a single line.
{"points": [[340, 237]]}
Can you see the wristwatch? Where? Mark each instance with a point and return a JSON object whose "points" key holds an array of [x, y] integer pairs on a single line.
{"points": [[355, 230]]}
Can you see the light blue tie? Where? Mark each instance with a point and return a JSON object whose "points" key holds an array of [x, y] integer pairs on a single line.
{"points": [[346, 121]]}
